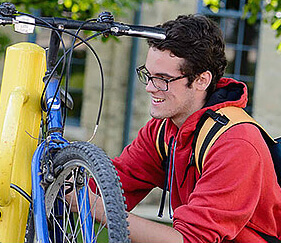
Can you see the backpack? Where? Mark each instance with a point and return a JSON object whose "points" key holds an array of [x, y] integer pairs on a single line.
{"points": [[208, 129]]}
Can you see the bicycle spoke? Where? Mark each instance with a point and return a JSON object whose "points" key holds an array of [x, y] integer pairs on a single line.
{"points": [[58, 224], [76, 228], [87, 213], [69, 208]]}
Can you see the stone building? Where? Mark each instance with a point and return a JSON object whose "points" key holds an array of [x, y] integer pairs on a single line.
{"points": [[258, 55]]}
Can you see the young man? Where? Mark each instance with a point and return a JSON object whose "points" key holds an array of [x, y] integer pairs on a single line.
{"points": [[237, 194]]}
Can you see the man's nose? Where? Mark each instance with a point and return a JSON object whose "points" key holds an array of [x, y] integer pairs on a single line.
{"points": [[150, 87]]}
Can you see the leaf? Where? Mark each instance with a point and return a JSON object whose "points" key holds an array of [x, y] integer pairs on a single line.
{"points": [[68, 3], [268, 7], [279, 47], [215, 3], [252, 19], [276, 24], [75, 8], [214, 9]]}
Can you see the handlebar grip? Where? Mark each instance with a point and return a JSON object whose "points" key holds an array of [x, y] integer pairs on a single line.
{"points": [[148, 32]]}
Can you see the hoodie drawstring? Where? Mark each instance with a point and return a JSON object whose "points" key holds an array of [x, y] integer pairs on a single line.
{"points": [[166, 182], [171, 181]]}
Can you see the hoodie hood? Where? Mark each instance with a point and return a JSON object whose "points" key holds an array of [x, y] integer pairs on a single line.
{"points": [[228, 92]]}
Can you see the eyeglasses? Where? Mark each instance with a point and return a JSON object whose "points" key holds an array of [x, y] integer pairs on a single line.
{"points": [[158, 82]]}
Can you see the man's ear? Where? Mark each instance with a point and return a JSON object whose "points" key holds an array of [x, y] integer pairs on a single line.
{"points": [[203, 81]]}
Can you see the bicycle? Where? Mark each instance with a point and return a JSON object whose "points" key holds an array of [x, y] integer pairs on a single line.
{"points": [[62, 172]]}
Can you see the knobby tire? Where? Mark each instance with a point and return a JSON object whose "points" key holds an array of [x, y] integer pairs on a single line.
{"points": [[97, 167]]}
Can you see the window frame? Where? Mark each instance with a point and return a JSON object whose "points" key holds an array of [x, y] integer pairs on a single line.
{"points": [[239, 47]]}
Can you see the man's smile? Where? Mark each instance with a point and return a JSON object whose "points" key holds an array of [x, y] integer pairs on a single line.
{"points": [[157, 100]]}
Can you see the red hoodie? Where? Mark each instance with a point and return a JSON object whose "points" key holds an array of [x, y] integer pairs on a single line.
{"points": [[237, 193]]}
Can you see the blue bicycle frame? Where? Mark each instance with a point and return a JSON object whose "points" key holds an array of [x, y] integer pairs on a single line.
{"points": [[54, 122], [53, 142]]}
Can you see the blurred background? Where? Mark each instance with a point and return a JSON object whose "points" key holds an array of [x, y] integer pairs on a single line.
{"points": [[251, 50]]}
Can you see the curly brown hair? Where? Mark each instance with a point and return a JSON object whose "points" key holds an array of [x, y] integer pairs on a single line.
{"points": [[199, 41]]}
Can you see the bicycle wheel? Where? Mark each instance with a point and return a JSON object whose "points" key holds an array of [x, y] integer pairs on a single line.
{"points": [[30, 231], [80, 165]]}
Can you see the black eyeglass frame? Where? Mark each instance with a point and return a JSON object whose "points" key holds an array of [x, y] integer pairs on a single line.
{"points": [[150, 78]]}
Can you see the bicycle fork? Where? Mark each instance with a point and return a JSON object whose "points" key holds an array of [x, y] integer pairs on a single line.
{"points": [[54, 141]]}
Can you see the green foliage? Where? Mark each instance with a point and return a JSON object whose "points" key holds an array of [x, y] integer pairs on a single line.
{"points": [[214, 5], [271, 13], [77, 9], [252, 9], [4, 41]]}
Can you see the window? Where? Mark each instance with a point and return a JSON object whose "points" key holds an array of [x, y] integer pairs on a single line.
{"points": [[241, 42], [76, 86]]}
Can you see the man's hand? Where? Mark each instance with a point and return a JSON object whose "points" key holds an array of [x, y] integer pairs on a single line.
{"points": [[141, 230], [95, 202]]}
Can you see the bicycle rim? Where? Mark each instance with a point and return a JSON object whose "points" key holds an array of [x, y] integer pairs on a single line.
{"points": [[81, 165]]}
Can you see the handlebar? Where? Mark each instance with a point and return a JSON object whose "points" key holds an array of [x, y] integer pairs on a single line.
{"points": [[115, 28], [9, 15]]}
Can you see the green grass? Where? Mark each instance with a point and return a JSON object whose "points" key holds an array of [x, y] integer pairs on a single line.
{"points": [[102, 237]]}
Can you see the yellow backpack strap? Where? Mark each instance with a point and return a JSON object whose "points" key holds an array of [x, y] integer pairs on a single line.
{"points": [[161, 146], [216, 123]]}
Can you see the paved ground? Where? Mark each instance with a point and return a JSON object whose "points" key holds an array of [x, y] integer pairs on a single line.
{"points": [[151, 212]]}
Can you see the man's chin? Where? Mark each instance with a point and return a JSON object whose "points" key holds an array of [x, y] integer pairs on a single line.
{"points": [[157, 116]]}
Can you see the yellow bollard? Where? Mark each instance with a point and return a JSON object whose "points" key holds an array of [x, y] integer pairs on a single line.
{"points": [[20, 115]]}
